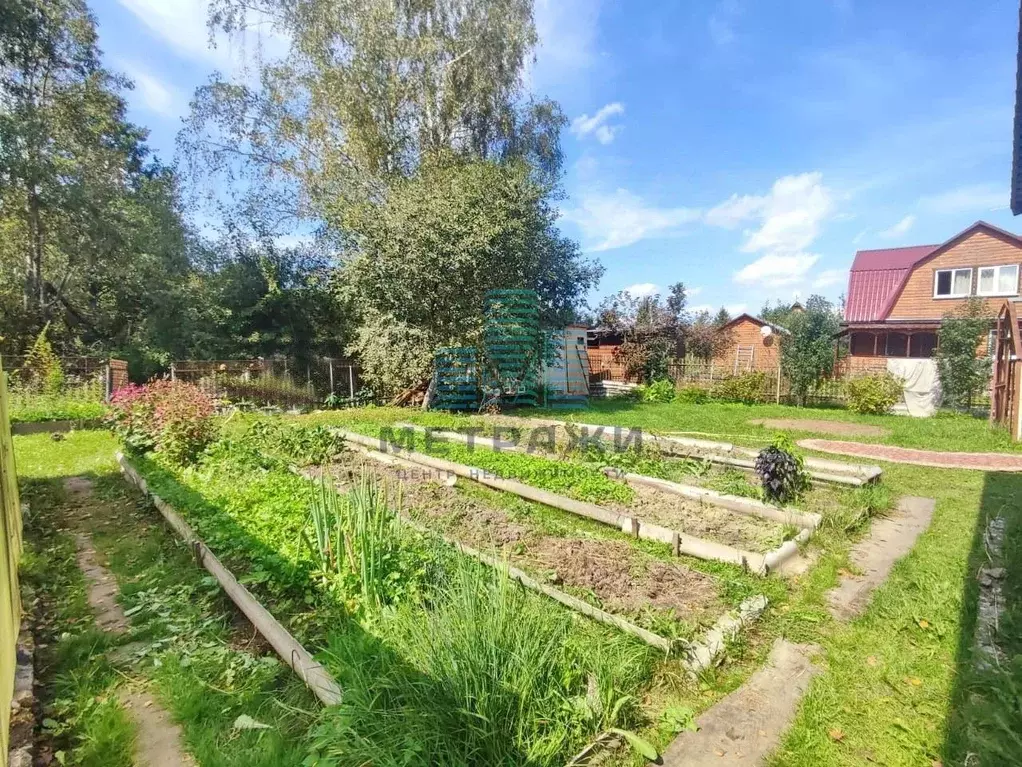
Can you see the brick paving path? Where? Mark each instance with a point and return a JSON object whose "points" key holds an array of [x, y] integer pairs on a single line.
{"points": [[940, 460]]}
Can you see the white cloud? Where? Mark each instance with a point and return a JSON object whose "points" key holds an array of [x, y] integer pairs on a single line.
{"points": [[899, 229], [774, 270], [829, 277], [700, 308], [597, 124], [622, 218], [789, 215], [735, 309], [786, 221], [693, 292], [643, 289], [972, 198], [156, 96], [182, 25]]}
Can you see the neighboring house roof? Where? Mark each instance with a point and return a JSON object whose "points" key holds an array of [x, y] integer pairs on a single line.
{"points": [[877, 277], [756, 320]]}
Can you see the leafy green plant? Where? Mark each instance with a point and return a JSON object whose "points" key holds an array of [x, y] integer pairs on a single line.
{"points": [[807, 349], [356, 542], [42, 372], [265, 390], [781, 472], [292, 443], [746, 388], [874, 393], [962, 373], [692, 395], [661, 390], [170, 417]]}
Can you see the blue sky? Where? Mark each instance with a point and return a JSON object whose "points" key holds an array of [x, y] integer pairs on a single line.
{"points": [[746, 148]]}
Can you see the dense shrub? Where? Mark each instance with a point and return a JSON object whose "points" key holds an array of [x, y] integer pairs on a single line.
{"points": [[782, 472], [747, 388], [692, 395], [874, 393], [659, 391], [170, 417]]}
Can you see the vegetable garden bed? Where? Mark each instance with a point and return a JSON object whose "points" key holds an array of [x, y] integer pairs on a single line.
{"points": [[433, 651], [614, 575]]}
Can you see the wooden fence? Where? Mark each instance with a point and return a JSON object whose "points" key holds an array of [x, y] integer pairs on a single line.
{"points": [[705, 374], [318, 378], [10, 556]]}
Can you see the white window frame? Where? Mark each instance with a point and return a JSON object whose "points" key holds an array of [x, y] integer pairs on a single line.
{"points": [[997, 279], [936, 274]]}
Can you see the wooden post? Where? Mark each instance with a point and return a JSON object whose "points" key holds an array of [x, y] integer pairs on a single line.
{"points": [[173, 372], [876, 344], [908, 345], [330, 363], [351, 382], [778, 382]]}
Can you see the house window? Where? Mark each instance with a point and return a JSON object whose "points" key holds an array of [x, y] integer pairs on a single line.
{"points": [[998, 280], [863, 344], [897, 345], [923, 345], [952, 283], [992, 343]]}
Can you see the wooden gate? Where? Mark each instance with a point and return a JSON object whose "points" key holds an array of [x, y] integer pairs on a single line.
{"points": [[1006, 389], [10, 555]]}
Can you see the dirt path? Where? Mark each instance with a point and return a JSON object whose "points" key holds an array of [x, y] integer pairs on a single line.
{"points": [[889, 540], [837, 428], [158, 742], [748, 724], [937, 459]]}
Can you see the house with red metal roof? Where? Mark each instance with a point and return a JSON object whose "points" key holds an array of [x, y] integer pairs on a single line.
{"points": [[897, 297]]}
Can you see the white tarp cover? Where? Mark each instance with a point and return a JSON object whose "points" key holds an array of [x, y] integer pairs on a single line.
{"points": [[922, 384]]}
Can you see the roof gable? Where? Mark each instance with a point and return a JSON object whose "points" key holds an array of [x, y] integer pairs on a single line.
{"points": [[753, 319], [877, 277]]}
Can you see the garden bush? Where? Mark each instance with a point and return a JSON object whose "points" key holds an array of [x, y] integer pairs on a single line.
{"points": [[874, 393], [746, 388], [170, 417], [782, 472], [692, 395], [659, 391]]}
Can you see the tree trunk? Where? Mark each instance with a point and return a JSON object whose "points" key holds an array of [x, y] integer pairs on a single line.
{"points": [[34, 292]]}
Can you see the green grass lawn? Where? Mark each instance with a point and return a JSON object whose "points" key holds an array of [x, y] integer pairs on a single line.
{"points": [[942, 432], [181, 626], [898, 685]]}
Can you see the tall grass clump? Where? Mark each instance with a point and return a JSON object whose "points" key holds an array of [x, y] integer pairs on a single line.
{"points": [[487, 674], [359, 545]]}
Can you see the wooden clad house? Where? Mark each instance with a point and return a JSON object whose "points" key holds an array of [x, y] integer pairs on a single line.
{"points": [[752, 344], [897, 297]]}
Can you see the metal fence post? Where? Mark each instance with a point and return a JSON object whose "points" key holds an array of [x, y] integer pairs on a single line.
{"points": [[330, 364], [778, 383], [173, 372], [351, 381]]}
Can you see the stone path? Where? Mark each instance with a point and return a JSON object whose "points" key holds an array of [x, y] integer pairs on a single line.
{"points": [[937, 459], [821, 426], [890, 538], [748, 724], [159, 740]]}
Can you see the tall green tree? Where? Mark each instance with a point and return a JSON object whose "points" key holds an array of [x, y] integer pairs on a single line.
{"points": [[807, 351], [92, 231], [421, 262], [652, 328], [367, 91]]}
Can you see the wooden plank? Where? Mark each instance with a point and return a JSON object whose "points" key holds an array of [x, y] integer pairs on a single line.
{"points": [[287, 647]]}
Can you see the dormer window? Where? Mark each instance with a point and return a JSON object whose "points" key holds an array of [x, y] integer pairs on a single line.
{"points": [[998, 280], [952, 283]]}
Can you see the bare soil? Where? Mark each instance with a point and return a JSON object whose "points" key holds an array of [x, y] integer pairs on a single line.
{"points": [[838, 428], [612, 574]]}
